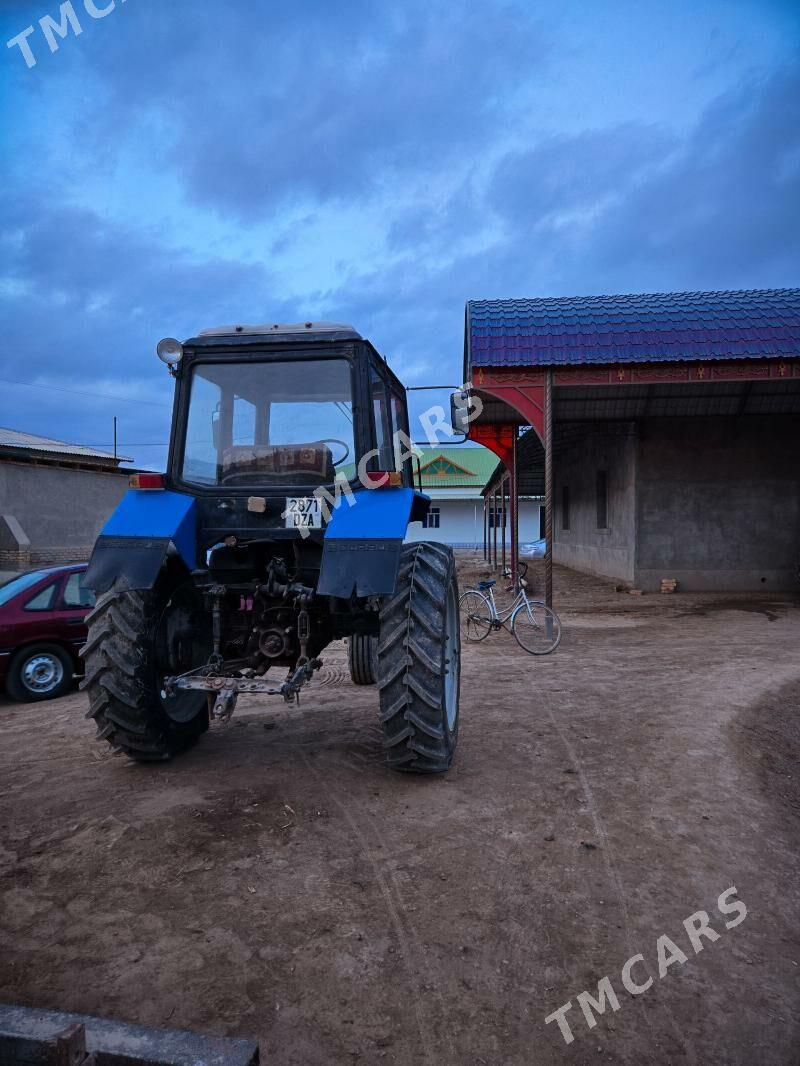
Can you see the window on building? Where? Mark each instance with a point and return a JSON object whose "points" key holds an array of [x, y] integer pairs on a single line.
{"points": [[74, 595], [565, 506], [432, 519], [495, 517], [601, 495]]}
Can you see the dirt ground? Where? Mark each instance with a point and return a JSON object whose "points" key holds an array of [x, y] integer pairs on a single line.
{"points": [[277, 882]]}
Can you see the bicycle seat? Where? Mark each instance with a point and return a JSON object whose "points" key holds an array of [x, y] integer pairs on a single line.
{"points": [[486, 584]]}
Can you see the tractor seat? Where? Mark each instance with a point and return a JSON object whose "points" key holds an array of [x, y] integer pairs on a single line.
{"points": [[278, 461], [486, 584]]}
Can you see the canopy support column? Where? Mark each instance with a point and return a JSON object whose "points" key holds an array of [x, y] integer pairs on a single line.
{"points": [[503, 527], [514, 513], [485, 528], [494, 529], [548, 487]]}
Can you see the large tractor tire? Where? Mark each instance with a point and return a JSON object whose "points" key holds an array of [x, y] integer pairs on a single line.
{"points": [[419, 659], [361, 658], [136, 638]]}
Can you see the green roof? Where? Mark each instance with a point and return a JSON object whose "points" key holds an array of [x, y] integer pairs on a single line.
{"points": [[458, 467], [464, 467]]}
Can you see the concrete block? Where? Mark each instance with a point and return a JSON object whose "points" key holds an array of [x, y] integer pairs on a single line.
{"points": [[28, 1036], [12, 535], [15, 547]]}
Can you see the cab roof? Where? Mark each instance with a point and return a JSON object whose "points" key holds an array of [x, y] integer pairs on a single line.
{"points": [[284, 330], [244, 337]]}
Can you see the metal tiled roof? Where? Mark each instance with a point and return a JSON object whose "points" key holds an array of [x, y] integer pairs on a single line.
{"points": [[13, 438], [749, 324]]}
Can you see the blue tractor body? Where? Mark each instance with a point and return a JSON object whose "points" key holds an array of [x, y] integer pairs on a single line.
{"points": [[361, 541]]}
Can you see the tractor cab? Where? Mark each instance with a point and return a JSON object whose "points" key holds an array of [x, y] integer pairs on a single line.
{"points": [[283, 410]]}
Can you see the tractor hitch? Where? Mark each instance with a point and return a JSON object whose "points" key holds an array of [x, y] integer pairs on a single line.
{"points": [[224, 689]]}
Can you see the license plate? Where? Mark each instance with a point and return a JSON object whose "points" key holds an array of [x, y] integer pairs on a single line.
{"points": [[303, 512]]}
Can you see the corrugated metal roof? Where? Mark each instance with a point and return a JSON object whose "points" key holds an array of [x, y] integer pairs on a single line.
{"points": [[456, 467], [749, 324], [13, 438]]}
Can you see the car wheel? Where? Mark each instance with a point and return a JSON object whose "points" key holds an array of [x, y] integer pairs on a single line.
{"points": [[39, 672]]}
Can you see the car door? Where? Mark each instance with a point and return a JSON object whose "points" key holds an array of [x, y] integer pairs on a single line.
{"points": [[73, 603], [32, 614]]}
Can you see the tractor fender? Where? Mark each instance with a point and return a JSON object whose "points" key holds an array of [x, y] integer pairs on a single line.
{"points": [[363, 539], [149, 527]]}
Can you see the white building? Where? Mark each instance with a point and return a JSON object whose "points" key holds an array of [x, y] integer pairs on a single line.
{"points": [[454, 478]]}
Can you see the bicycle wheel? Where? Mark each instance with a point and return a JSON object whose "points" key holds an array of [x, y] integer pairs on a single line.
{"points": [[476, 616], [536, 627]]}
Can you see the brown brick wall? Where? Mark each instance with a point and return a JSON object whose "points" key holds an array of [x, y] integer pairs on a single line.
{"points": [[25, 560], [46, 556], [14, 560]]}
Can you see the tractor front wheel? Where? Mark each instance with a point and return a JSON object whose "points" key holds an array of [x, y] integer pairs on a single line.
{"points": [[136, 639], [419, 659], [361, 652]]}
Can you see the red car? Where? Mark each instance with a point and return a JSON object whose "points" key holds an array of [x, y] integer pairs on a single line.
{"points": [[42, 627]]}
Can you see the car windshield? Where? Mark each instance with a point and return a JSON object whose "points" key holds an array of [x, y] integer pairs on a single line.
{"points": [[269, 423], [16, 585]]}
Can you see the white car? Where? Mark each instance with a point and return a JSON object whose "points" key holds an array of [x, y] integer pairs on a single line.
{"points": [[534, 550]]}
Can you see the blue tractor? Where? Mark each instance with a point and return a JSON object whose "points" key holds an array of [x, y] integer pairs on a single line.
{"points": [[278, 527]]}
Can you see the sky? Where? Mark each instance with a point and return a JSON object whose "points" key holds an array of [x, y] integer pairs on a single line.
{"points": [[181, 165]]}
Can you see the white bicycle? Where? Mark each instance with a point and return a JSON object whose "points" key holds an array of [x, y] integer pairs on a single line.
{"points": [[536, 626]]}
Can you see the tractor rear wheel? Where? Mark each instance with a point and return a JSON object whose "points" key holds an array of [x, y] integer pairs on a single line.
{"points": [[136, 638], [419, 659], [361, 653]]}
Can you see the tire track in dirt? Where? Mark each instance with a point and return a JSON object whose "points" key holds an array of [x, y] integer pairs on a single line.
{"points": [[333, 675], [412, 954], [609, 862]]}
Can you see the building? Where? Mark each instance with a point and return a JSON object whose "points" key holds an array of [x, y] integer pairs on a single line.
{"points": [[669, 426], [54, 498], [454, 478]]}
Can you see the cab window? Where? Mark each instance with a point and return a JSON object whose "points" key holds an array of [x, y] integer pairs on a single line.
{"points": [[383, 432], [398, 426], [269, 423]]}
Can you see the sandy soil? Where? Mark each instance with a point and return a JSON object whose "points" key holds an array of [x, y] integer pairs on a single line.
{"points": [[277, 882]]}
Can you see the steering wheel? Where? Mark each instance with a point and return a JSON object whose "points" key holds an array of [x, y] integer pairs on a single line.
{"points": [[343, 444]]}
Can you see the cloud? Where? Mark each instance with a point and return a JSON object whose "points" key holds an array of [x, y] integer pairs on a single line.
{"points": [[86, 304], [182, 165], [267, 104], [623, 209], [562, 179], [724, 212], [632, 208]]}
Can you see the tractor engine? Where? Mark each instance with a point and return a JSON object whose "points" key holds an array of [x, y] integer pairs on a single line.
{"points": [[264, 623]]}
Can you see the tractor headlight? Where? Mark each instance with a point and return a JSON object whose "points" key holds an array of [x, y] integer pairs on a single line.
{"points": [[170, 351]]}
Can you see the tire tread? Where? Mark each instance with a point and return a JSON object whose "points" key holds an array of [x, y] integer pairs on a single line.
{"points": [[409, 652], [361, 653], [123, 700]]}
